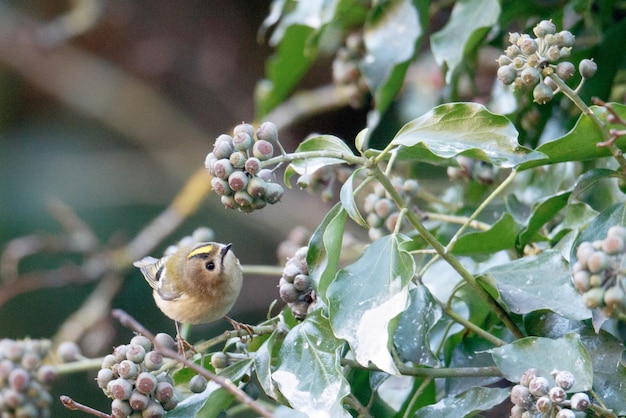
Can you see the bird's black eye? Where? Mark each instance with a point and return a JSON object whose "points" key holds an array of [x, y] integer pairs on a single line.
{"points": [[210, 266]]}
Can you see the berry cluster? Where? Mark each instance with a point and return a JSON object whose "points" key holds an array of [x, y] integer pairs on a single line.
{"points": [[535, 397], [130, 377], [598, 273], [346, 70], [472, 169], [324, 179], [295, 285], [529, 61], [24, 381], [236, 165], [383, 214]]}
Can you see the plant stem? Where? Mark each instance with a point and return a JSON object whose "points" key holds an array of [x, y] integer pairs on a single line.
{"points": [[606, 136], [306, 155], [416, 395], [473, 327], [449, 258], [431, 372]]}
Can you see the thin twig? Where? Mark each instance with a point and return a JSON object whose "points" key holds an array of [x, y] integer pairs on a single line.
{"points": [[128, 321], [72, 405]]}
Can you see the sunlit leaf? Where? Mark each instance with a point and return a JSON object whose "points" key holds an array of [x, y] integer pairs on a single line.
{"points": [[501, 236], [322, 144], [546, 355], [308, 373], [580, 143], [325, 250], [533, 283], [347, 199], [469, 23], [452, 129], [466, 404], [366, 297]]}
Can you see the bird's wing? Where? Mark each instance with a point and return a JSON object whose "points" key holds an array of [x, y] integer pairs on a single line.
{"points": [[152, 269]]}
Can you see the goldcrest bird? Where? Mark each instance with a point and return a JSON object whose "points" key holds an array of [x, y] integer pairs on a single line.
{"points": [[197, 284]]}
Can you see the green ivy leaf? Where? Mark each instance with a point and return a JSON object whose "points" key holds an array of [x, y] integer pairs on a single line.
{"points": [[308, 373], [545, 355], [284, 69], [263, 362], [391, 36], [589, 178], [412, 337], [317, 143], [468, 128], [470, 21], [542, 212], [366, 297], [325, 250], [501, 236], [579, 143], [597, 229], [533, 283], [346, 196], [467, 404]]}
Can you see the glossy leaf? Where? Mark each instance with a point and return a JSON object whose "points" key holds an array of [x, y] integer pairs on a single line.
{"points": [[469, 23], [467, 404], [367, 296], [542, 212], [546, 355], [412, 337], [322, 143], [263, 363], [285, 69], [452, 129], [347, 199], [589, 178], [539, 282], [325, 250], [501, 236], [580, 143], [390, 35], [597, 229], [308, 373]]}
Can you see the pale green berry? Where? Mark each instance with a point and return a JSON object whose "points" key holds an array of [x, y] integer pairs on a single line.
{"points": [[530, 76], [274, 193], [565, 38], [565, 70], [238, 159], [543, 28], [252, 165], [506, 74], [263, 150], [598, 261], [221, 187], [564, 379], [256, 187], [245, 128], [242, 141], [528, 46], [120, 388], [581, 281], [594, 297], [146, 383], [614, 297], [238, 180], [557, 394], [138, 401], [539, 386], [542, 93], [543, 404], [566, 413], [580, 401], [587, 68], [219, 360], [222, 168], [520, 395], [267, 132]]}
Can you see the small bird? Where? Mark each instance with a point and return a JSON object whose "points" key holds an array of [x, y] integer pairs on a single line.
{"points": [[197, 284]]}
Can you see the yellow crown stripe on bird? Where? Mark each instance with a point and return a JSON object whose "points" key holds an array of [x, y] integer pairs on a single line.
{"points": [[201, 250]]}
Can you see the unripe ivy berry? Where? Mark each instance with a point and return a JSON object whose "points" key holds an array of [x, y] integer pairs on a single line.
{"points": [[138, 401], [529, 76], [520, 395], [68, 351], [616, 231], [222, 168], [238, 180], [598, 261], [299, 310], [30, 360], [392, 221], [46, 375], [128, 369], [120, 388], [553, 54], [274, 193], [565, 70], [223, 146], [614, 297], [594, 298], [146, 383], [566, 38], [542, 93], [242, 141], [153, 410], [198, 383], [142, 341], [267, 132], [375, 221], [135, 353], [119, 353], [539, 386], [566, 413], [517, 411], [528, 46], [587, 68], [120, 409], [302, 282], [243, 198], [252, 165], [288, 292], [153, 360], [581, 281], [564, 379], [565, 52], [528, 376], [263, 150], [221, 187], [19, 379], [506, 74], [104, 377], [243, 128], [228, 202], [238, 159], [266, 174], [545, 27], [543, 404], [219, 360], [613, 245], [580, 401], [164, 392], [557, 394], [514, 37]]}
